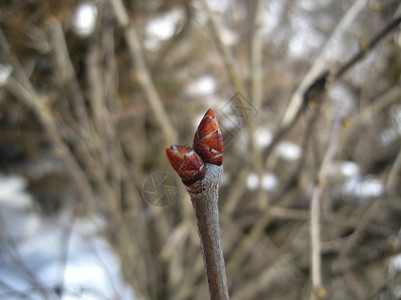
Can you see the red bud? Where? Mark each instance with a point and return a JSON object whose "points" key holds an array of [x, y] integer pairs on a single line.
{"points": [[208, 141], [187, 163]]}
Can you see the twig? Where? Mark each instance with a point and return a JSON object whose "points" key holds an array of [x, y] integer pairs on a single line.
{"points": [[200, 170], [366, 47], [227, 56], [145, 80], [319, 65], [390, 97], [9, 246], [204, 198], [393, 180], [256, 68], [65, 75], [309, 89], [236, 81], [318, 290], [256, 54]]}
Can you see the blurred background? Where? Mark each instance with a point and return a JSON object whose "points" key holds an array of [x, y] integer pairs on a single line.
{"points": [[92, 92]]}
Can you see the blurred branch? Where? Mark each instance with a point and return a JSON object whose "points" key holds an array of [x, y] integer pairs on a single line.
{"points": [[313, 87], [256, 67], [228, 58], [236, 81], [391, 97], [393, 180], [365, 48], [144, 77], [65, 73], [7, 242], [45, 117], [20, 86], [255, 233], [318, 290], [176, 40], [319, 65], [256, 53]]}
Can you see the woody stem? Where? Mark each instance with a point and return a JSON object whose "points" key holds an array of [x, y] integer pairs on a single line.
{"points": [[204, 198]]}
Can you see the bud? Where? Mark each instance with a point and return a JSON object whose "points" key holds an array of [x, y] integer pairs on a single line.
{"points": [[187, 163], [208, 141]]}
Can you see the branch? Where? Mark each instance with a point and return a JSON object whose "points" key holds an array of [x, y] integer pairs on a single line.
{"points": [[145, 79], [318, 290], [204, 198], [200, 169], [366, 47], [310, 89], [256, 54], [229, 62], [319, 65]]}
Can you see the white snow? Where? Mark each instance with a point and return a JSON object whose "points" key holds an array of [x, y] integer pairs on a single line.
{"points": [[344, 168], [40, 255], [269, 181], [363, 188], [85, 19], [349, 168], [204, 85], [218, 6], [5, 72], [271, 17], [161, 28], [252, 181], [288, 151], [263, 137]]}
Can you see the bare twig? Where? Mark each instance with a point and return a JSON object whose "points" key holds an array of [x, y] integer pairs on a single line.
{"points": [[311, 89], [236, 81], [320, 64], [393, 180], [366, 47], [65, 73], [204, 197], [318, 290], [200, 169], [9, 246], [256, 54], [144, 76], [389, 98], [228, 59]]}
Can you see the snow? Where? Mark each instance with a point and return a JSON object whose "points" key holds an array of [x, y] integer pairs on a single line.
{"points": [[5, 72], [269, 181], [288, 151], [343, 99], [252, 181], [218, 6], [263, 137], [304, 39], [271, 17], [349, 168], [344, 168], [363, 187], [161, 28], [85, 19], [45, 257], [204, 85]]}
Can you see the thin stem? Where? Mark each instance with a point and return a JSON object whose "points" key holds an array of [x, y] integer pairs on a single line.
{"points": [[256, 54], [204, 198], [311, 85], [229, 62], [320, 64], [144, 76], [316, 268]]}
